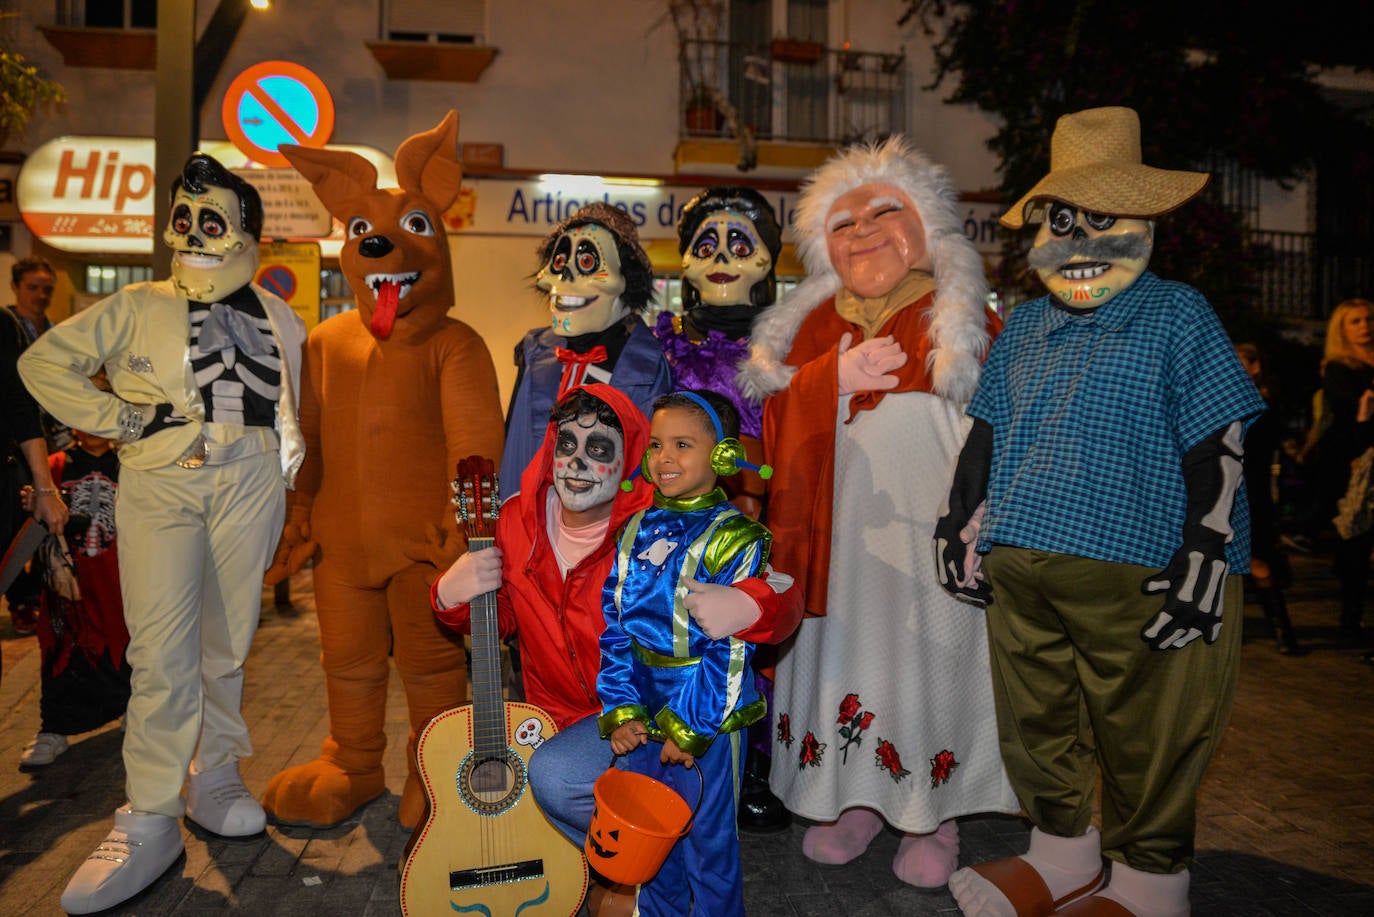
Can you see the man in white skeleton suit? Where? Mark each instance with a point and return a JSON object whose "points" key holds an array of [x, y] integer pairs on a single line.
{"points": [[204, 370]]}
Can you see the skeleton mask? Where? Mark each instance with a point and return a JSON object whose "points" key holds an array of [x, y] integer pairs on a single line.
{"points": [[725, 259], [588, 461], [211, 256], [584, 281], [1087, 258]]}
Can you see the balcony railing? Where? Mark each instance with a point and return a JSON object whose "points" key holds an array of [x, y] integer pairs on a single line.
{"points": [[790, 90]]}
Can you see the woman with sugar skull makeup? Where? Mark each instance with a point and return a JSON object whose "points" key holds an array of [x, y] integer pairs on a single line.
{"points": [[884, 701], [555, 540], [598, 280], [203, 371]]}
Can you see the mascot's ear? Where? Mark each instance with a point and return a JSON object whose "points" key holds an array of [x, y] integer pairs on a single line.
{"points": [[427, 164], [339, 177]]}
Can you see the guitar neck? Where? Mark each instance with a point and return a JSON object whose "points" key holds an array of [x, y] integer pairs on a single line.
{"points": [[488, 695]]}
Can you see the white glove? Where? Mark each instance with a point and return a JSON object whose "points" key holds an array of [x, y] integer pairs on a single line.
{"points": [[868, 367], [720, 610], [471, 575]]}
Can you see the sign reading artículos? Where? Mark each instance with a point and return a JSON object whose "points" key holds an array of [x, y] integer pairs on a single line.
{"points": [[96, 194]]}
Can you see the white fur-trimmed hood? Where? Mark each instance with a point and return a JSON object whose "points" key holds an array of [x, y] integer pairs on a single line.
{"points": [[958, 327]]}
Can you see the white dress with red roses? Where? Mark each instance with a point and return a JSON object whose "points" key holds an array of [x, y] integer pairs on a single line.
{"points": [[886, 702]]}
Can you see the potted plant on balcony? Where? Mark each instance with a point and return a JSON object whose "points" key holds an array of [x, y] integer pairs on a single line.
{"points": [[701, 114]]}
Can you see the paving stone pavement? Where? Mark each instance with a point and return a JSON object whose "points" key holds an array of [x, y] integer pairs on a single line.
{"points": [[1285, 819]]}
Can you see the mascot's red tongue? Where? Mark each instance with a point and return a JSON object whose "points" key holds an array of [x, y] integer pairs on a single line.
{"points": [[384, 312]]}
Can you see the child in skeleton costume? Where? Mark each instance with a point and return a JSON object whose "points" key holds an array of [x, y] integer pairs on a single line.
{"points": [[1105, 465], [203, 371], [883, 701], [661, 674], [729, 240], [598, 279], [85, 678]]}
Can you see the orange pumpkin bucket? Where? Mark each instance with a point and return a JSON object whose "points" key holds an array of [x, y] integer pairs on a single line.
{"points": [[635, 824]]}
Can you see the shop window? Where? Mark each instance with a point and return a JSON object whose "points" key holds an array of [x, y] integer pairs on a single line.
{"points": [[335, 294], [105, 279]]}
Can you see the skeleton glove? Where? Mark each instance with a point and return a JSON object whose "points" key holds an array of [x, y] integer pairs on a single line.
{"points": [[1195, 579], [956, 533]]}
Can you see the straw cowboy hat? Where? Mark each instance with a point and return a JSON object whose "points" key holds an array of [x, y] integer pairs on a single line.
{"points": [[1095, 165]]}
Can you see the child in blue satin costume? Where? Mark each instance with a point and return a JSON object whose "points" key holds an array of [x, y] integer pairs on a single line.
{"points": [[661, 675]]}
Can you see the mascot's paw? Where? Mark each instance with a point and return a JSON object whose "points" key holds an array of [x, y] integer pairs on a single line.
{"points": [[414, 804], [293, 551], [438, 549], [319, 794]]}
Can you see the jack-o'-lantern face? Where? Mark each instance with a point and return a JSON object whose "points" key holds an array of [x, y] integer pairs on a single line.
{"points": [[603, 843], [1085, 258]]}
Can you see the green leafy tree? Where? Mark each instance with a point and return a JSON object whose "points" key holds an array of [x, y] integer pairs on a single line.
{"points": [[23, 90], [1212, 82]]}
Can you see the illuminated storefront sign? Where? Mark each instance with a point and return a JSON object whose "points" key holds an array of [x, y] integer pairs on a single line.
{"points": [[96, 194]]}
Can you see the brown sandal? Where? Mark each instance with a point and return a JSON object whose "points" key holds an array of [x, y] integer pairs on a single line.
{"points": [[1026, 889]]}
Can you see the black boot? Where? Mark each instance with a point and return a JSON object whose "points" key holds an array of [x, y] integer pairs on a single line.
{"points": [[1276, 610], [760, 812]]}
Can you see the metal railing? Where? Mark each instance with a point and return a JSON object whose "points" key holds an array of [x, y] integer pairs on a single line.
{"points": [[790, 90], [1286, 276]]}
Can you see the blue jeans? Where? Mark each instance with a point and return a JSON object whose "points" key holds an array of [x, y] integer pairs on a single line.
{"points": [[562, 771]]}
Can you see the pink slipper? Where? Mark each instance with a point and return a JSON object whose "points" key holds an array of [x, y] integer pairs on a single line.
{"points": [[927, 860], [844, 839]]}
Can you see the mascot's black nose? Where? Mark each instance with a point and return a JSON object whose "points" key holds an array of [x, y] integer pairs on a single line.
{"points": [[375, 246]]}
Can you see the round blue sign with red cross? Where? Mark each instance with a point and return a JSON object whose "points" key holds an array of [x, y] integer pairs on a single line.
{"points": [[273, 103], [278, 279]]}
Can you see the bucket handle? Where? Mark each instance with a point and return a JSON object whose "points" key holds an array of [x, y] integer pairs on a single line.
{"points": [[701, 791]]}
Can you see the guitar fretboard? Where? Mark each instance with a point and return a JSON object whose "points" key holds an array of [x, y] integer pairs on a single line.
{"points": [[488, 697]]}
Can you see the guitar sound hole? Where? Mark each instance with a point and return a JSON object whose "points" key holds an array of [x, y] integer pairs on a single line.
{"points": [[490, 786]]}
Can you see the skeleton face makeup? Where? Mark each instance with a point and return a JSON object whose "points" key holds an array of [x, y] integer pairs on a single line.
{"points": [[875, 238], [1087, 258], [588, 461], [211, 256], [584, 282], [725, 259]]}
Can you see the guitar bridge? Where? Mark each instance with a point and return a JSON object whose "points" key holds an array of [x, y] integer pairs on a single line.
{"points": [[504, 874]]}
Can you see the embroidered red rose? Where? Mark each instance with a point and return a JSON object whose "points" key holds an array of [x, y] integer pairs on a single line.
{"points": [[811, 751], [848, 707], [785, 730], [941, 766], [853, 721], [887, 757]]}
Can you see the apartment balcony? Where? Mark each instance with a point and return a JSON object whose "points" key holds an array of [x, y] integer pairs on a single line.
{"points": [[786, 105]]}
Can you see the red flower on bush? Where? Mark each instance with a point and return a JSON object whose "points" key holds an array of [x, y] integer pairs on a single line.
{"points": [[811, 751], [888, 758], [941, 766], [848, 707], [785, 730]]}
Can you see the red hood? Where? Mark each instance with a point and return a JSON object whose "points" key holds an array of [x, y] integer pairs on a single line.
{"points": [[538, 476]]}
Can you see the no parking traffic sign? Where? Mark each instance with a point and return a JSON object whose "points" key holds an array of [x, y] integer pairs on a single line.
{"points": [[273, 103]]}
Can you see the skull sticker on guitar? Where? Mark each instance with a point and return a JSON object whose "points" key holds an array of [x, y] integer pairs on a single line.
{"points": [[530, 733]]}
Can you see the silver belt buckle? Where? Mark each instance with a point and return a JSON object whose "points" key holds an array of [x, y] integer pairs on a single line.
{"points": [[196, 454]]}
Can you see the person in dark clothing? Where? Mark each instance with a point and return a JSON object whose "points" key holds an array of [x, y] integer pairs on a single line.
{"points": [[1270, 572]]}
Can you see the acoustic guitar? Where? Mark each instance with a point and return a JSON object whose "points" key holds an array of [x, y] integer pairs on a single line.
{"points": [[485, 847]]}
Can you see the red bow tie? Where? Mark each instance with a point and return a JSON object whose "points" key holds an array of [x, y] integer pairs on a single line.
{"points": [[575, 365]]}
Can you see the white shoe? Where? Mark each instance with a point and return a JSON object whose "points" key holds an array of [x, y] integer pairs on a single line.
{"points": [[218, 801], [138, 850], [43, 750]]}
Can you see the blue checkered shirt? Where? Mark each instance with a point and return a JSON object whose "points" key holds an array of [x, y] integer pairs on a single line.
{"points": [[1092, 415]]}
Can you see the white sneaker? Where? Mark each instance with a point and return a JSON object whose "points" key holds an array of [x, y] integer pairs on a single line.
{"points": [[43, 750], [138, 850], [218, 801]]}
